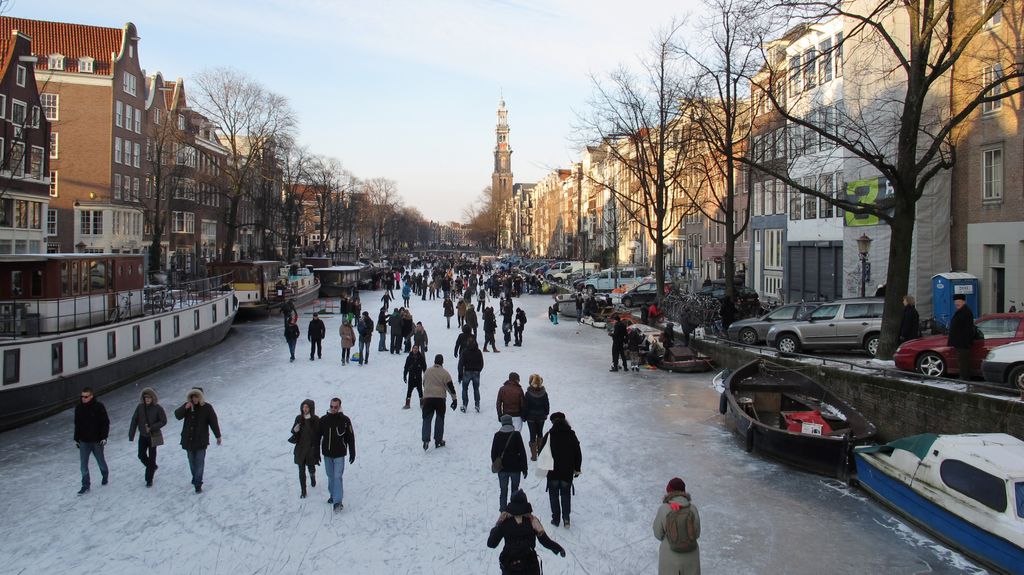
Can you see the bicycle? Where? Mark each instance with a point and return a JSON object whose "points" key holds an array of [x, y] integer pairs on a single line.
{"points": [[121, 312]]}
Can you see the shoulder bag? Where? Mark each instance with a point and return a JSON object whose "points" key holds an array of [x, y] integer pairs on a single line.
{"points": [[496, 465]]}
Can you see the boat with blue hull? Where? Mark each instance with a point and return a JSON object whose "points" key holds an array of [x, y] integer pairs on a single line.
{"points": [[966, 490]]}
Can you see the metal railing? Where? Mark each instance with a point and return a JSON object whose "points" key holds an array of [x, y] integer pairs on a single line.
{"points": [[23, 318]]}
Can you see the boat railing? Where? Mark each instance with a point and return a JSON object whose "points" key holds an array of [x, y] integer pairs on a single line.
{"points": [[26, 318], [973, 387]]}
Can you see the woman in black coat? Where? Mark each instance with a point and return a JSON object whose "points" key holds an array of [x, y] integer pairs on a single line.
{"points": [[520, 530], [568, 460], [536, 407], [910, 325], [508, 445], [149, 420], [305, 438]]}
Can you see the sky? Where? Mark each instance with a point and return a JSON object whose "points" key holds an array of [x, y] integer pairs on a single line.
{"points": [[403, 89]]}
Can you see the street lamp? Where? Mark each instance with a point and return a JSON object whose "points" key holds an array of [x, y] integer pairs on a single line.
{"points": [[863, 247]]}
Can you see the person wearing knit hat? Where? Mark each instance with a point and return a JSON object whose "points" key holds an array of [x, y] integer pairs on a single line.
{"points": [[567, 461], [520, 530], [677, 508], [507, 447]]}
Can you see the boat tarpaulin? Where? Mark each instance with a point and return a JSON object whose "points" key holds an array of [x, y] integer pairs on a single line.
{"points": [[916, 444]]}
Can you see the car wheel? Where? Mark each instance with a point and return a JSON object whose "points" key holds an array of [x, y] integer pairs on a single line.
{"points": [[627, 301], [1016, 378], [788, 343], [748, 336], [931, 364], [871, 344]]}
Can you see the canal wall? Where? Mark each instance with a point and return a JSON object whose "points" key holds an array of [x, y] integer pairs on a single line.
{"points": [[897, 408]]}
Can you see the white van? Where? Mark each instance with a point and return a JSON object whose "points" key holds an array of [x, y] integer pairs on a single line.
{"points": [[606, 280], [572, 268]]}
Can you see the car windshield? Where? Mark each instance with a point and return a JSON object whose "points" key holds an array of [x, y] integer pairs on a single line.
{"points": [[825, 312], [787, 312], [1019, 494], [1000, 327]]}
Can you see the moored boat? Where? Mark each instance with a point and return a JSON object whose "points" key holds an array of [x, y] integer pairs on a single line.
{"points": [[339, 280], [967, 490], [786, 415], [265, 285], [68, 321]]}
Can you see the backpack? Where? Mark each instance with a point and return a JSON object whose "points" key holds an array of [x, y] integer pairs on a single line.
{"points": [[680, 529]]}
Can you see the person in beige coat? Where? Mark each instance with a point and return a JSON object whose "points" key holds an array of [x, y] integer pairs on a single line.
{"points": [[436, 383], [671, 562], [348, 340]]}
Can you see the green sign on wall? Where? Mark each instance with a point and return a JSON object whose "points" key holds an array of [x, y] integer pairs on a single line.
{"points": [[867, 191]]}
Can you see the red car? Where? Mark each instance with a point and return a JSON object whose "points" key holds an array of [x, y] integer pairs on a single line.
{"points": [[931, 356]]}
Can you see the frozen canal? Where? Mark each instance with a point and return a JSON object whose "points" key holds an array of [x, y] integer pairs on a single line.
{"points": [[410, 511]]}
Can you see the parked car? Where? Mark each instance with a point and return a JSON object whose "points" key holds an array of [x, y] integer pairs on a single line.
{"points": [[564, 272], [609, 279], [932, 357], [640, 294], [1005, 365], [844, 325], [753, 331]]}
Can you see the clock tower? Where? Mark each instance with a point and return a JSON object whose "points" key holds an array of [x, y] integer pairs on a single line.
{"points": [[501, 179]]}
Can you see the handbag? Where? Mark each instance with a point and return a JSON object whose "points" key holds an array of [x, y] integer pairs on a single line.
{"points": [[293, 439], [156, 438], [545, 461], [496, 465]]}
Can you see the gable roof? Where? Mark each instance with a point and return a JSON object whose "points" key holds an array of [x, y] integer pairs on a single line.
{"points": [[73, 41]]}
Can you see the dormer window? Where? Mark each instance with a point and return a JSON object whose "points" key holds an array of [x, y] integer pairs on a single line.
{"points": [[85, 64], [56, 62], [22, 74]]}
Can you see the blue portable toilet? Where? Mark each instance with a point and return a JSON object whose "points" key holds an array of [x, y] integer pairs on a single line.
{"points": [[945, 286]]}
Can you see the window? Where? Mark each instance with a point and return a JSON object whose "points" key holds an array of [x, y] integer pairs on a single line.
{"points": [[51, 221], [127, 117], [795, 208], [54, 149], [156, 116], [999, 328], [117, 186], [136, 338], [825, 187], [18, 112], [137, 155], [213, 309], [3, 106], [992, 174], [781, 314], [135, 189], [50, 105], [177, 326], [91, 223], [810, 68], [35, 117], [22, 74], [35, 163], [794, 75], [195, 320], [979, 485], [183, 222], [111, 345], [83, 352], [85, 64], [773, 249], [825, 61], [117, 150], [18, 159], [129, 83], [181, 121], [138, 121], [990, 75], [856, 311], [997, 16], [12, 366], [157, 332], [118, 113], [56, 358], [825, 312], [810, 207], [839, 55]]}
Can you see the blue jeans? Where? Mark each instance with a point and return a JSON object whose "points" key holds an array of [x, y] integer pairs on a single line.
{"points": [[291, 347], [335, 467], [96, 450], [196, 464], [560, 495], [383, 344], [364, 352], [467, 377], [503, 479]]}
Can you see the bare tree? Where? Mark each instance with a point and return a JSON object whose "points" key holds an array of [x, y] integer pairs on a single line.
{"points": [[163, 146], [898, 117], [249, 119], [383, 202], [294, 163], [483, 217], [634, 116], [326, 178]]}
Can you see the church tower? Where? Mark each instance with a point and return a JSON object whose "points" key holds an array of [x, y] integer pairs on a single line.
{"points": [[501, 179]]}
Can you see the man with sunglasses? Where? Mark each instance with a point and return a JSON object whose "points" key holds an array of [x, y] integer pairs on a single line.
{"points": [[91, 429], [337, 439]]}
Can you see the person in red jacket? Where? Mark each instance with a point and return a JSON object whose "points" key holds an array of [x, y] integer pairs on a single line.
{"points": [[510, 400]]}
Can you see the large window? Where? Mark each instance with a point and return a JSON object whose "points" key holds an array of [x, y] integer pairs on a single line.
{"points": [[129, 83], [118, 113], [979, 485], [992, 174], [183, 223], [50, 104], [51, 222], [773, 249], [35, 163], [992, 74], [117, 150], [56, 358], [91, 223], [12, 366], [795, 204], [997, 16]]}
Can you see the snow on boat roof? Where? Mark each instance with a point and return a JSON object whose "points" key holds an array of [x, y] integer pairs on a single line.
{"points": [[339, 269]]}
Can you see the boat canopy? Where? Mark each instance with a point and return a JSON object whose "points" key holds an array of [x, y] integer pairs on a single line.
{"points": [[919, 445]]}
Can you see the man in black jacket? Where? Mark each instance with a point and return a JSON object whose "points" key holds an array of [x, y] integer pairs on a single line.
{"points": [[337, 439], [415, 365], [91, 429], [471, 364], [565, 451], [316, 333], [961, 335], [619, 346], [199, 418]]}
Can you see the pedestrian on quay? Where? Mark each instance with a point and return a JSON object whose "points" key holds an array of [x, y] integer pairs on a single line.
{"points": [[395, 327], [382, 329], [490, 327], [568, 463], [408, 327], [291, 335], [461, 312], [305, 436], [507, 447], [520, 530], [436, 383], [449, 311], [419, 337], [536, 408], [518, 326], [471, 318], [619, 346], [199, 419], [472, 363], [510, 400], [315, 333], [962, 335], [387, 297], [481, 299], [149, 420], [406, 293], [365, 337], [553, 314], [348, 339], [412, 375], [92, 426], [288, 310], [677, 526], [337, 439], [910, 323], [633, 342]]}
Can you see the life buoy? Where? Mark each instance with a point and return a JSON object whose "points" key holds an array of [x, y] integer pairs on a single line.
{"points": [[723, 404], [750, 439]]}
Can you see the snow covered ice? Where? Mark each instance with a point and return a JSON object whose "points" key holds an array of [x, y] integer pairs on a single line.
{"points": [[408, 511]]}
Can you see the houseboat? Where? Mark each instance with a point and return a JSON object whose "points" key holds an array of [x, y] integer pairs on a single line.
{"points": [[339, 280], [68, 321], [262, 286]]}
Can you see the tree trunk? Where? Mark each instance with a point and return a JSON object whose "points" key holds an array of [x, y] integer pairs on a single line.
{"points": [[897, 273], [232, 225]]}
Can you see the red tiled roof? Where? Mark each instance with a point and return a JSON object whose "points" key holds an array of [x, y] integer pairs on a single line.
{"points": [[72, 40]]}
